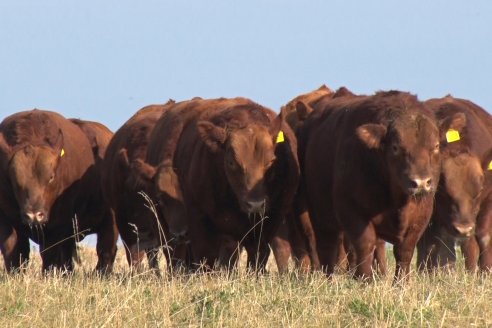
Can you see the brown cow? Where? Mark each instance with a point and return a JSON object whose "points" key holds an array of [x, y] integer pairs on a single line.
{"points": [[157, 174], [99, 137], [478, 248], [289, 111], [237, 170], [466, 137], [50, 178], [301, 237], [295, 236], [141, 231], [370, 166]]}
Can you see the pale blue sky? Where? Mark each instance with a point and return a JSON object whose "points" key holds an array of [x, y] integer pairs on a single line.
{"points": [[103, 60]]}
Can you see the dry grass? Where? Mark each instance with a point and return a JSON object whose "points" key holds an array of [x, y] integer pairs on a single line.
{"points": [[240, 300]]}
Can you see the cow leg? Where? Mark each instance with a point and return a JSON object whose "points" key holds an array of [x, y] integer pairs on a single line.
{"points": [[485, 254], [379, 263], [107, 237], [484, 235], [403, 253], [471, 253], [229, 253], [205, 244], [327, 246], [281, 248], [347, 259], [135, 256], [302, 230], [303, 237], [58, 255], [14, 247], [485, 249], [363, 241], [258, 253], [153, 260], [179, 256], [443, 253], [425, 250]]}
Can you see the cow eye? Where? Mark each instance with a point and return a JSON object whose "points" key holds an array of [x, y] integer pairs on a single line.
{"points": [[395, 148], [52, 178], [436, 148], [230, 163]]}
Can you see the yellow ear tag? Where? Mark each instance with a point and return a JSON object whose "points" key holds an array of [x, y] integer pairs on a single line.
{"points": [[489, 168], [62, 152], [452, 135], [280, 136]]}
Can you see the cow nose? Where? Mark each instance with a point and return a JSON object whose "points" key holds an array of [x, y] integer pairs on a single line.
{"points": [[37, 217], [181, 237], [421, 183], [256, 206], [464, 229]]}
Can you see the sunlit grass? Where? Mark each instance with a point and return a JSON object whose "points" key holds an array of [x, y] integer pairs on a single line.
{"points": [[241, 299]]}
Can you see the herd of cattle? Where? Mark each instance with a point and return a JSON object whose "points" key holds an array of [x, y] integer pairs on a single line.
{"points": [[327, 182]]}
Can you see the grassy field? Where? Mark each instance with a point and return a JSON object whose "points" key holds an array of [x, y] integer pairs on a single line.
{"points": [[455, 299]]}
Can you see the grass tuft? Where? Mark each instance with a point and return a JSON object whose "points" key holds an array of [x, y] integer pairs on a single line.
{"points": [[241, 299]]}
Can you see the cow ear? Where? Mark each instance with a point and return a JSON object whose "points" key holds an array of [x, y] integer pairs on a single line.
{"points": [[343, 92], [167, 182], [142, 173], [371, 134], [212, 135], [4, 151], [56, 142], [303, 110], [4, 146], [276, 124], [456, 122], [123, 158]]}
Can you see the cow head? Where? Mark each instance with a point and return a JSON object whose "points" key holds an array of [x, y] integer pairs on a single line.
{"points": [[165, 183], [247, 153], [410, 144], [462, 180], [458, 196], [291, 112], [33, 175]]}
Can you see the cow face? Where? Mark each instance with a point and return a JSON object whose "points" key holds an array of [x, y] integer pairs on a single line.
{"points": [[168, 192], [458, 196], [247, 155], [32, 172], [410, 146]]}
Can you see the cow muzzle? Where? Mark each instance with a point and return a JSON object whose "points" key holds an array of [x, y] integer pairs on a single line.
{"points": [[35, 217], [419, 185], [463, 230], [256, 206], [180, 237]]}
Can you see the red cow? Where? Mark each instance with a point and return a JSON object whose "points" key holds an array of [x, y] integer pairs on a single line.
{"points": [[370, 168], [463, 191], [237, 173], [50, 180], [141, 231]]}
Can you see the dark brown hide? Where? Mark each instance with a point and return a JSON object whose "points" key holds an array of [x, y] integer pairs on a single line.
{"points": [[295, 236], [99, 137], [50, 189], [289, 111], [300, 238], [231, 173], [370, 166], [463, 190], [141, 231]]}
